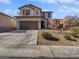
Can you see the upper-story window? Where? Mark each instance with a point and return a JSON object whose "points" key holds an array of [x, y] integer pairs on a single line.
{"points": [[49, 15], [36, 11], [23, 12], [43, 14], [26, 12]]}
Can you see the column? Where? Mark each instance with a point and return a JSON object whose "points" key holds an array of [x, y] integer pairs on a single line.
{"points": [[18, 25], [39, 25], [45, 24]]}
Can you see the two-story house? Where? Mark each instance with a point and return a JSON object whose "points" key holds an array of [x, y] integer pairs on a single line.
{"points": [[32, 17]]}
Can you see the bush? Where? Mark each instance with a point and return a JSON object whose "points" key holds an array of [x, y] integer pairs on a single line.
{"points": [[75, 30], [67, 37], [49, 27], [47, 35], [74, 34]]}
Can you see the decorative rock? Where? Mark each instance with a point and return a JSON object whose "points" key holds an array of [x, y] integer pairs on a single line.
{"points": [[77, 35]]}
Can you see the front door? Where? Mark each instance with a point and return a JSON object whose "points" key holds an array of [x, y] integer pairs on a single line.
{"points": [[42, 24]]}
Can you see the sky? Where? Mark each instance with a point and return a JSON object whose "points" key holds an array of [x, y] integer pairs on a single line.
{"points": [[60, 8]]}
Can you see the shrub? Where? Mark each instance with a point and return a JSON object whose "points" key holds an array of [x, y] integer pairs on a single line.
{"points": [[74, 34], [67, 37], [75, 30], [49, 27], [47, 35]]}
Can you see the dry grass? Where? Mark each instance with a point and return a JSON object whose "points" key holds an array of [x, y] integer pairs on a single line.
{"points": [[62, 41]]}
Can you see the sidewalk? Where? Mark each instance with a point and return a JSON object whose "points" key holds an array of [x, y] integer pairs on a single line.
{"points": [[37, 52]]}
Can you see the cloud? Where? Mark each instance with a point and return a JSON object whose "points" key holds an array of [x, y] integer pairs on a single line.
{"points": [[66, 9], [66, 1], [69, 10], [46, 1], [75, 10], [45, 10], [10, 12], [5, 1], [58, 1]]}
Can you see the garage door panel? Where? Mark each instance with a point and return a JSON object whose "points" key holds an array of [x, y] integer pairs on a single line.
{"points": [[24, 25]]}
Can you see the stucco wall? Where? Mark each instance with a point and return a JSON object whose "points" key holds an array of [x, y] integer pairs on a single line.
{"points": [[29, 19], [32, 11], [39, 12], [6, 23], [46, 15]]}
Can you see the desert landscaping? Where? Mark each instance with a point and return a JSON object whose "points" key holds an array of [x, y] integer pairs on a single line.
{"points": [[60, 36]]}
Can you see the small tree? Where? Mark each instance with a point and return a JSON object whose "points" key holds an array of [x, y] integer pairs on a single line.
{"points": [[55, 23]]}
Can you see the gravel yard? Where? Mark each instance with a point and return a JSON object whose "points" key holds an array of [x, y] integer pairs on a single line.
{"points": [[62, 41]]}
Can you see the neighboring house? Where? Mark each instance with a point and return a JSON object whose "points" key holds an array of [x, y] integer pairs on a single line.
{"points": [[32, 17], [6, 22]]}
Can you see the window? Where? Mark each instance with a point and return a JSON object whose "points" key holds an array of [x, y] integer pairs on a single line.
{"points": [[43, 14], [49, 15], [23, 12], [36, 11], [26, 12]]}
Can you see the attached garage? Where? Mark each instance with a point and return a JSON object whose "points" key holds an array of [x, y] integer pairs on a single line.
{"points": [[30, 22], [25, 25]]}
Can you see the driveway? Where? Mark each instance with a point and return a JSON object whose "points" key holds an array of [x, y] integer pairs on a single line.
{"points": [[18, 37]]}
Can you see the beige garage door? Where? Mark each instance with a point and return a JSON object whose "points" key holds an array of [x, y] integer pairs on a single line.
{"points": [[25, 25]]}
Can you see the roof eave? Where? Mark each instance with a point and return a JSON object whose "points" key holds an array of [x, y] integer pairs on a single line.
{"points": [[29, 5]]}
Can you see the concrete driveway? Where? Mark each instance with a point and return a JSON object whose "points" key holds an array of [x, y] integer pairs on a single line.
{"points": [[18, 37]]}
